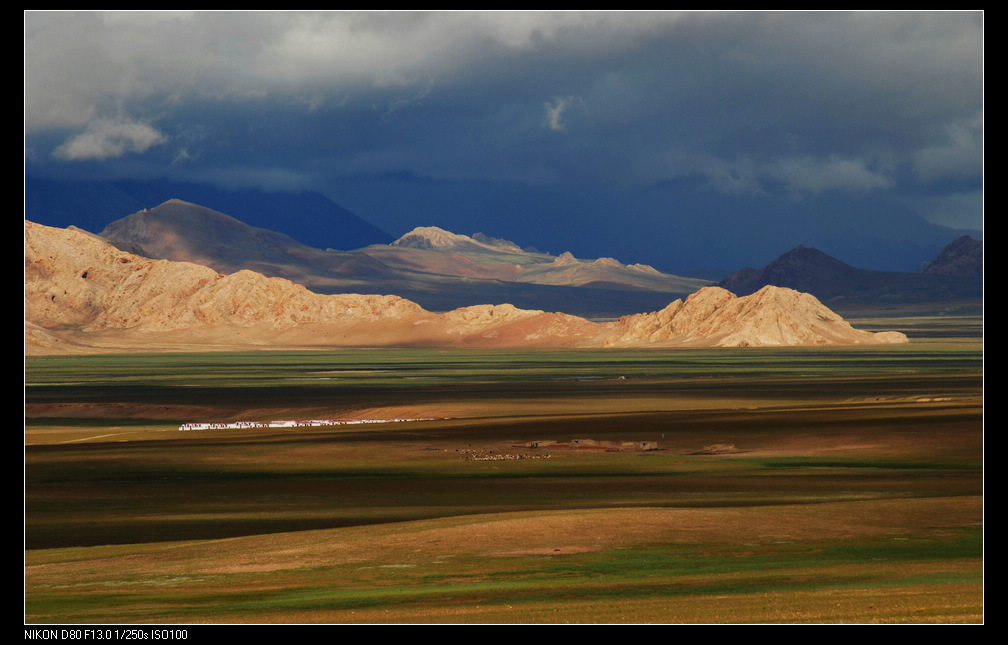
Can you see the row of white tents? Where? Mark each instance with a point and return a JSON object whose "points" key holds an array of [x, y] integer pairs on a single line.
{"points": [[238, 425]]}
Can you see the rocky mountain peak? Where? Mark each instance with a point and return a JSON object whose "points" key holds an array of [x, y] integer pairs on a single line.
{"points": [[431, 237]]}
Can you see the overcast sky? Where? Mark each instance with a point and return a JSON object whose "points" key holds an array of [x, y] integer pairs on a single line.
{"points": [[525, 123]]}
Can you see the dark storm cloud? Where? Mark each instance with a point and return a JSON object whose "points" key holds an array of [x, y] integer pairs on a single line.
{"points": [[795, 104]]}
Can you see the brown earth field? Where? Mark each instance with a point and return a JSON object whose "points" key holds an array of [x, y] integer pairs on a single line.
{"points": [[780, 486]]}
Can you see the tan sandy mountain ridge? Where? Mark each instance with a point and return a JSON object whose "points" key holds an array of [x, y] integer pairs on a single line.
{"points": [[83, 294]]}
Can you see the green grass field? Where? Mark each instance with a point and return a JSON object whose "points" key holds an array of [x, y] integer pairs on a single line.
{"points": [[851, 488]]}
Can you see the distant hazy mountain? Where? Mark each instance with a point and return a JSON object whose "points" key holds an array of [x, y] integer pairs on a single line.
{"points": [[481, 256], [310, 218], [438, 269], [184, 232], [86, 205], [843, 287], [963, 257]]}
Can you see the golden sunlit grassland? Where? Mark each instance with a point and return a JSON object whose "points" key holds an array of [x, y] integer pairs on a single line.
{"points": [[848, 487]]}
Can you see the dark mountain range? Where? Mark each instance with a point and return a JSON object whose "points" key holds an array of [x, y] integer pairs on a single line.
{"points": [[849, 289], [184, 232], [882, 237], [963, 257], [437, 269], [278, 234], [309, 218], [90, 205]]}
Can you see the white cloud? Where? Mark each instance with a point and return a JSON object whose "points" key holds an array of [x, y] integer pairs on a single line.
{"points": [[798, 175], [408, 101], [392, 47], [109, 138], [86, 64], [555, 111], [813, 175], [805, 102]]}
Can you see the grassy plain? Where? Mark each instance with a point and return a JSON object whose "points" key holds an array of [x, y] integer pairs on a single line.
{"points": [[848, 487]]}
